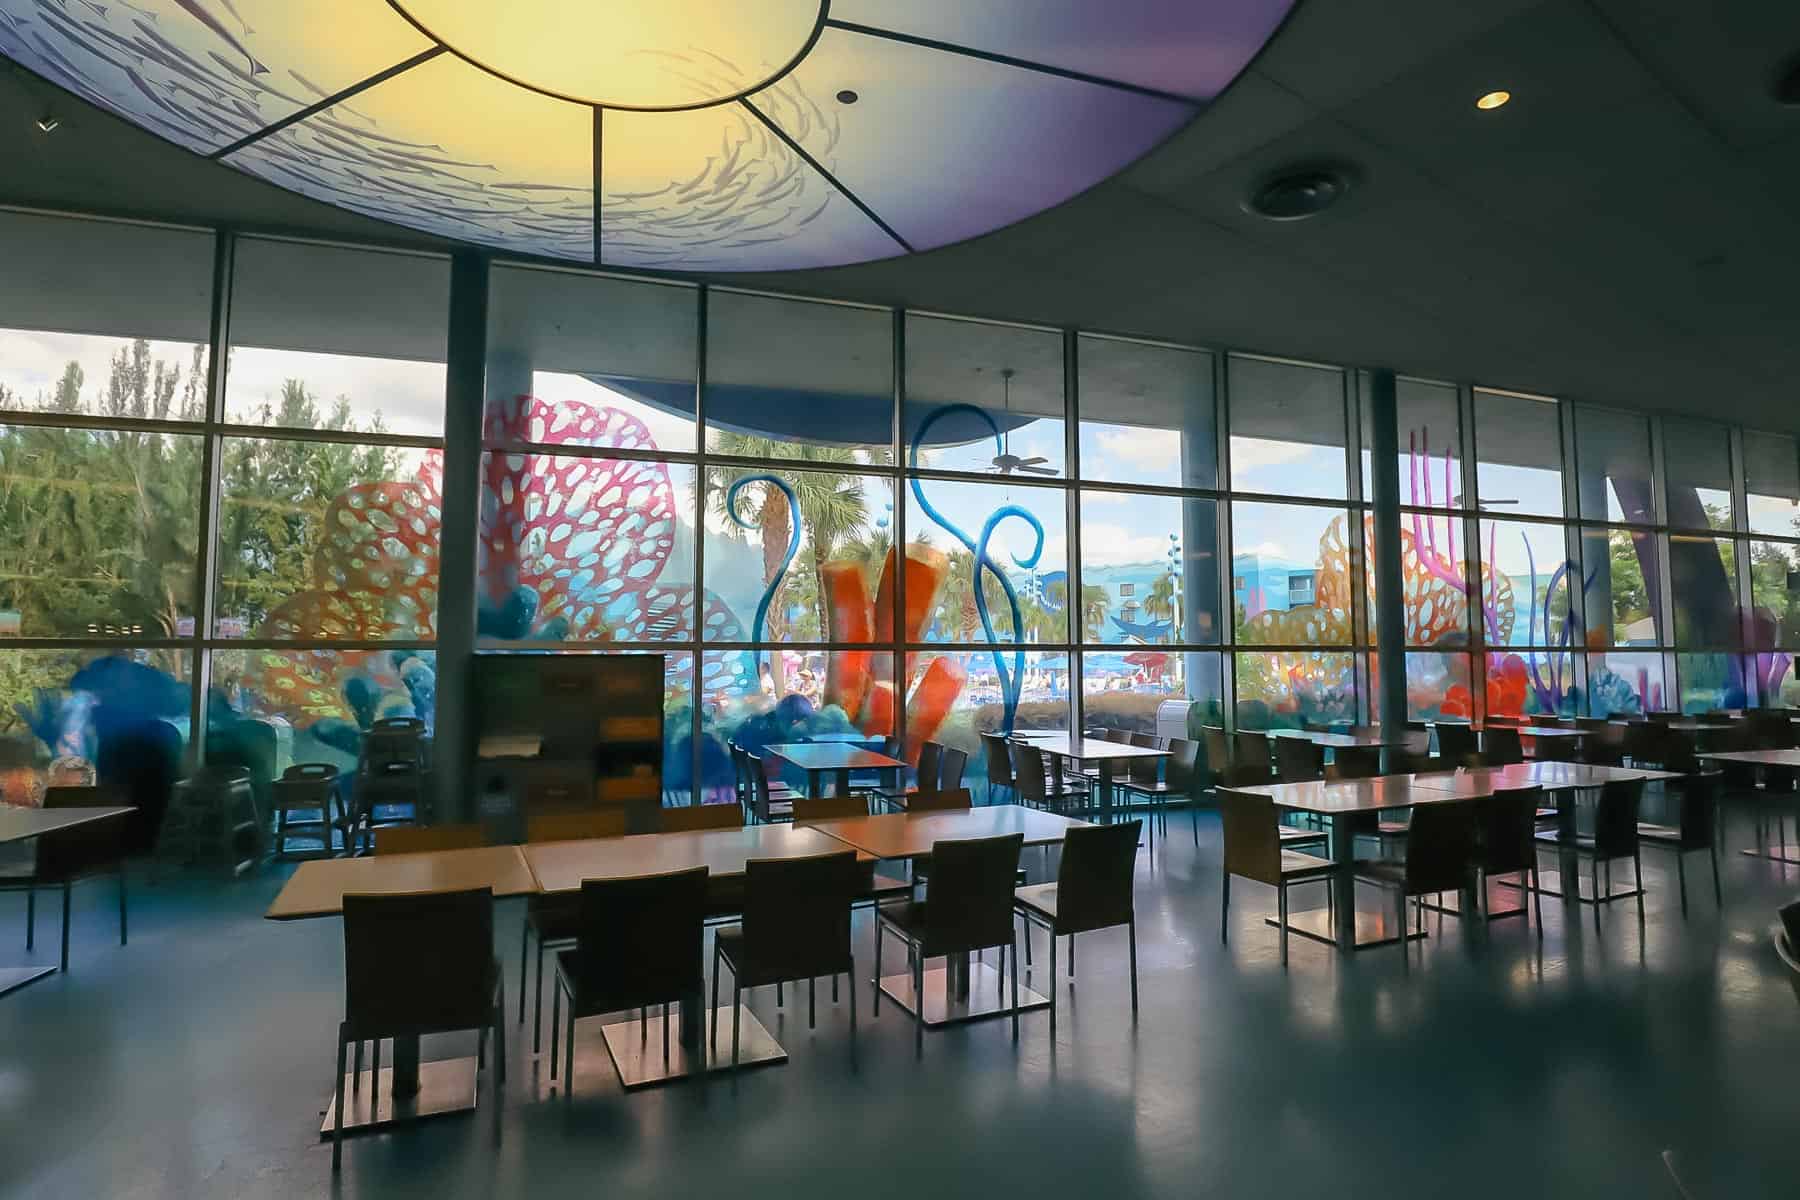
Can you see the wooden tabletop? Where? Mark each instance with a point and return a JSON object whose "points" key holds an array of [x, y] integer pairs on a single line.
{"points": [[832, 756], [1349, 796], [1761, 758], [1341, 741], [318, 888], [907, 835], [561, 866], [17, 824], [1094, 749], [1552, 776]]}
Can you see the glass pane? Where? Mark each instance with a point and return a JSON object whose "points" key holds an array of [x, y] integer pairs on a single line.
{"points": [[327, 540], [1026, 559], [1437, 686], [586, 549], [609, 361], [97, 533], [1620, 591], [1147, 414], [1149, 569], [1434, 575], [772, 578], [1625, 683], [762, 698], [1283, 691], [793, 379], [1526, 582], [1772, 481], [1781, 681], [117, 717], [1518, 445], [1290, 574], [1287, 428], [324, 337], [103, 319], [1129, 690], [1531, 682], [1710, 681], [1613, 457], [314, 705], [1703, 578], [1012, 376], [1697, 459], [1775, 591], [1430, 433]]}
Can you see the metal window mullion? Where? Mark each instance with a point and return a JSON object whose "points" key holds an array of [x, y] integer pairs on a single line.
{"points": [[1469, 517], [897, 655], [696, 647], [1072, 579], [207, 548], [1222, 538], [1354, 397]]}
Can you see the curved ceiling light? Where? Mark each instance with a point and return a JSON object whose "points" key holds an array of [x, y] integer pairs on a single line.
{"points": [[675, 134]]}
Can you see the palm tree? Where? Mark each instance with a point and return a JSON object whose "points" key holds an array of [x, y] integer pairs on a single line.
{"points": [[1093, 612], [1160, 603]]}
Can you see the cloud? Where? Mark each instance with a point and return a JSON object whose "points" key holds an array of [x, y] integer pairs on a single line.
{"points": [[1156, 451], [1105, 545], [1265, 550], [1250, 454]]}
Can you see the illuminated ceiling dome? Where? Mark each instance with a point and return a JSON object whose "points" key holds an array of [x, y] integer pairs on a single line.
{"points": [[721, 135]]}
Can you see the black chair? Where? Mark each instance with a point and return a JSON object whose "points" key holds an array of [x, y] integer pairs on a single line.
{"points": [[996, 753], [796, 925], [1699, 824], [70, 856], [1298, 760], [767, 804], [968, 908], [952, 766], [1785, 933], [1505, 833], [1093, 890], [1032, 782], [1615, 836], [1179, 780], [556, 917], [1440, 850], [1249, 747], [307, 788], [414, 965], [1500, 746], [931, 755], [1456, 745], [1355, 762], [1254, 850], [640, 943]]}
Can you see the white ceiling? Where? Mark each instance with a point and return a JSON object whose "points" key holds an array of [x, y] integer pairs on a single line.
{"points": [[1625, 231]]}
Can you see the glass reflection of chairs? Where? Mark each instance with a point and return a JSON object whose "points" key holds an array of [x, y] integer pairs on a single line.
{"points": [[795, 925], [1697, 830], [1440, 848], [414, 965], [212, 816], [639, 942], [1093, 890], [390, 775], [67, 857], [306, 788], [1255, 849], [968, 908], [1614, 836], [1178, 780]]}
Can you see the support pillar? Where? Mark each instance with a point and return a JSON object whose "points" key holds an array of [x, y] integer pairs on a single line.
{"points": [[1390, 583]]}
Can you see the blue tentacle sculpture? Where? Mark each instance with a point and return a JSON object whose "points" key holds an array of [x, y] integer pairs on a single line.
{"points": [[1009, 680], [793, 548]]}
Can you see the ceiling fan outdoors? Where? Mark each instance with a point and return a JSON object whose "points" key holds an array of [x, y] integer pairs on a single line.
{"points": [[1006, 462]]}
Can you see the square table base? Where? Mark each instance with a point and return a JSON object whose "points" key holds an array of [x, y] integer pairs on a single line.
{"points": [[985, 999], [1502, 900], [1550, 883], [634, 1051], [13, 978], [1372, 928], [1765, 855], [445, 1087]]}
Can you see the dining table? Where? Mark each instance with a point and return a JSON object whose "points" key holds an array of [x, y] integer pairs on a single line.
{"points": [[408, 1090], [1102, 754], [962, 989], [837, 758], [1764, 759], [20, 824], [1343, 741]]}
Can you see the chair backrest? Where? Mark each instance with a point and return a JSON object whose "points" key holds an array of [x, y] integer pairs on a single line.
{"points": [[829, 808], [931, 755], [1028, 770], [1616, 818], [1456, 743], [91, 847], [1144, 770], [1605, 744], [1120, 736], [1182, 768], [1249, 746], [393, 749], [577, 826], [1094, 879], [1506, 824], [1501, 746], [311, 770], [1252, 836], [1699, 809], [1356, 762], [969, 905], [1298, 759], [424, 839], [1440, 846], [1498, 719], [996, 753], [1218, 748], [948, 800], [418, 963], [1244, 775], [797, 914], [1680, 750], [761, 803], [692, 817], [639, 940], [952, 767]]}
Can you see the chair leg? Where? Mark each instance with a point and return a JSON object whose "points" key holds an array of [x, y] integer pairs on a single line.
{"points": [[1053, 987], [1071, 956], [122, 918], [1594, 881], [30, 917], [524, 956], [555, 1023], [1224, 905], [918, 970], [1405, 950], [537, 1007], [1281, 905], [1537, 899], [65, 928], [499, 1039], [1681, 879], [1131, 933], [337, 1120], [737, 1011], [569, 1054], [712, 1015], [1015, 983], [356, 1072], [851, 980], [877, 1000], [1637, 882], [812, 1004], [1718, 896]]}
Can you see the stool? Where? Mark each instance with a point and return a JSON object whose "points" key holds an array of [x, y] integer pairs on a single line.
{"points": [[305, 788], [212, 815]]}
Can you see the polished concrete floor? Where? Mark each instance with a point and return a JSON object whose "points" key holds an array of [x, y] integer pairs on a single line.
{"points": [[195, 1062]]}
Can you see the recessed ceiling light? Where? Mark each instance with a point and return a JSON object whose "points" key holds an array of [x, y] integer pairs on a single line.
{"points": [[1493, 100], [847, 97], [1298, 194]]}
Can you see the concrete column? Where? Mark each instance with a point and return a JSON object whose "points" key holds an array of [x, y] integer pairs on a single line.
{"points": [[1390, 584]]}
